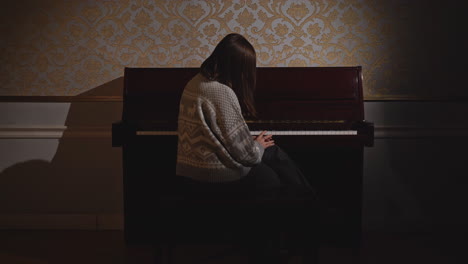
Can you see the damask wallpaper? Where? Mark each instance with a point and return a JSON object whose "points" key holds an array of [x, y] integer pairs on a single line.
{"points": [[66, 47]]}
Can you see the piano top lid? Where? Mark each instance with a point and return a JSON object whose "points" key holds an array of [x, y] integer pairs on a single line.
{"points": [[282, 93]]}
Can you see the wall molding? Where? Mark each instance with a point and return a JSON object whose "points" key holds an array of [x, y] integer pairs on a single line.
{"points": [[113, 98], [82, 221], [64, 132], [59, 99], [31, 132], [384, 132], [54, 132]]}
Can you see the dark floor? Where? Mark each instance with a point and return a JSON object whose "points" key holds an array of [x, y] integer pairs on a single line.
{"points": [[92, 247]]}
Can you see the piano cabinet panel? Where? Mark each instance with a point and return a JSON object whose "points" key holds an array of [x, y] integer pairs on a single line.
{"points": [[334, 171], [308, 110], [302, 83], [336, 174], [149, 165]]}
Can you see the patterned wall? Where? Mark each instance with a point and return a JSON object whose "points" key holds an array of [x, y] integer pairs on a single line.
{"points": [[66, 47]]}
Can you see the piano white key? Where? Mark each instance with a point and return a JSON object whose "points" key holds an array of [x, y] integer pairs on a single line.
{"points": [[274, 133], [308, 132]]}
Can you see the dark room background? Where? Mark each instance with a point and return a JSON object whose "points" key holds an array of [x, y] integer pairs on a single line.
{"points": [[61, 68]]}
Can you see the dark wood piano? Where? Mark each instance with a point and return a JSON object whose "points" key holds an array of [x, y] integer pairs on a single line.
{"points": [[316, 115]]}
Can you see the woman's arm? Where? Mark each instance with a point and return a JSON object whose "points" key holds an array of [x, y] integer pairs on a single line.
{"points": [[223, 116]]}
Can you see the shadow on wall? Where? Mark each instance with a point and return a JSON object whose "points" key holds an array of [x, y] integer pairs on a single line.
{"points": [[84, 176], [425, 192], [412, 181]]}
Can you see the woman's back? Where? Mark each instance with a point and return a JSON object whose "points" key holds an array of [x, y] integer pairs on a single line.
{"points": [[214, 142]]}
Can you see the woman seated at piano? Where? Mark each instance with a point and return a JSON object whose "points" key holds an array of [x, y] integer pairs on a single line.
{"points": [[215, 147], [216, 152]]}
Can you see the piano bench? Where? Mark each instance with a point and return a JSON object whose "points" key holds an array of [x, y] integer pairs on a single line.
{"points": [[244, 222]]}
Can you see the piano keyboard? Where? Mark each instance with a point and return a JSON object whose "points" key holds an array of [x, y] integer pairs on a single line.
{"points": [[274, 133], [307, 132]]}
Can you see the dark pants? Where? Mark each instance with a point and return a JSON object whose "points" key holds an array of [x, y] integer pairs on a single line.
{"points": [[275, 175], [277, 170], [278, 174], [277, 179]]}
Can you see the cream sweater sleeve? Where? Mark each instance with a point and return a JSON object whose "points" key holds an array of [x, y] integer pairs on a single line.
{"points": [[223, 116]]}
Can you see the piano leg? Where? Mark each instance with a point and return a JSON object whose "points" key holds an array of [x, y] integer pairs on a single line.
{"points": [[304, 240], [356, 252], [310, 254], [163, 253]]}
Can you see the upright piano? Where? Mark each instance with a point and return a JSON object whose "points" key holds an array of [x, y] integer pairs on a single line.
{"points": [[316, 114]]}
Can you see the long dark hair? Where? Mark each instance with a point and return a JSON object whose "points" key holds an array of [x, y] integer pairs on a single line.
{"points": [[233, 63]]}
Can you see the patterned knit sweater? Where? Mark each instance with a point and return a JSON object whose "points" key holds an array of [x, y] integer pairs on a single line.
{"points": [[214, 144]]}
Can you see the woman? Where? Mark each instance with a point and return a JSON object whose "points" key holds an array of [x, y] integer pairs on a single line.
{"points": [[216, 152], [215, 144]]}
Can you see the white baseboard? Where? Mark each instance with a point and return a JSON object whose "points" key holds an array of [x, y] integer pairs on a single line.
{"points": [[61, 221]]}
